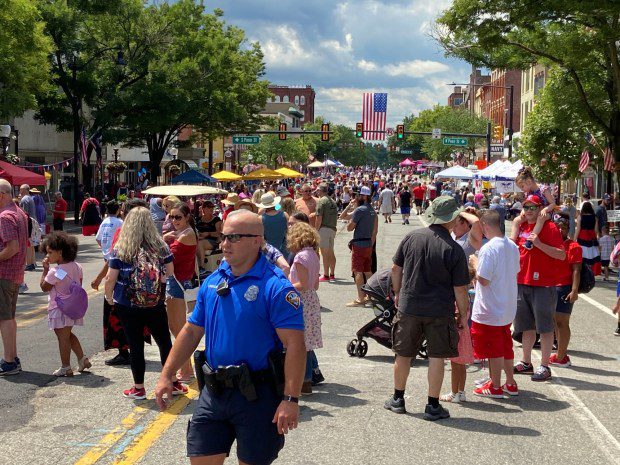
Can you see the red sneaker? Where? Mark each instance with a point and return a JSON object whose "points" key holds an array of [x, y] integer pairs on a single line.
{"points": [[510, 389], [487, 390], [555, 361], [324, 279], [179, 389], [135, 393], [332, 279]]}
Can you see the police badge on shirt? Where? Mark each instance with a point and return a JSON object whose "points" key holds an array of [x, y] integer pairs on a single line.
{"points": [[251, 293], [293, 299]]}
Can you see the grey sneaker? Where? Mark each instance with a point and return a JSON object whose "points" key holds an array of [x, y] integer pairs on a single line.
{"points": [[395, 405], [435, 413], [543, 373], [23, 288]]}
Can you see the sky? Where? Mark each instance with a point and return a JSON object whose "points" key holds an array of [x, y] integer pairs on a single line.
{"points": [[345, 48]]}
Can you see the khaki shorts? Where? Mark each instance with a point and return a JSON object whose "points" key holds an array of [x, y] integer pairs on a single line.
{"points": [[8, 299], [327, 236], [408, 333]]}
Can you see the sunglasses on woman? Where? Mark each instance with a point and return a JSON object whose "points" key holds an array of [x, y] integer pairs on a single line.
{"points": [[531, 208], [177, 217], [234, 238]]}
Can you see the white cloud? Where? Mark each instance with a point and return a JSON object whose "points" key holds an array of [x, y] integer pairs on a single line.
{"points": [[416, 68], [367, 65], [284, 49], [337, 46]]}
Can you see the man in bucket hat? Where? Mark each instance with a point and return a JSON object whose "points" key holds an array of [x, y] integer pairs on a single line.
{"points": [[429, 275]]}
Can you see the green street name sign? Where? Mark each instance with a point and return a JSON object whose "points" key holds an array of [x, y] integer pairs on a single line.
{"points": [[245, 140], [406, 151], [460, 141]]}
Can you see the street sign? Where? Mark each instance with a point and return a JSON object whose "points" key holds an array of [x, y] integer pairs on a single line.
{"points": [[497, 148], [406, 151], [389, 131], [436, 133], [245, 140], [460, 141]]}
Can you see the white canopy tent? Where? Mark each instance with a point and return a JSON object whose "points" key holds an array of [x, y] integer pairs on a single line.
{"points": [[509, 173], [490, 171], [455, 172]]}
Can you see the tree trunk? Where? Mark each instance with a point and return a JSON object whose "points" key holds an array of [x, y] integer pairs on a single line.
{"points": [[210, 156]]}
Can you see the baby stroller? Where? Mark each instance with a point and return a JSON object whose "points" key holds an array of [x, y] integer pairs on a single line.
{"points": [[379, 291]]}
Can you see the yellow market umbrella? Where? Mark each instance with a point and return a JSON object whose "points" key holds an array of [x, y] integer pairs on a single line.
{"points": [[263, 173], [226, 176], [316, 164], [289, 173]]}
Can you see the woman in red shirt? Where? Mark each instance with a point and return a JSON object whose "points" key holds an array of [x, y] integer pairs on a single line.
{"points": [[182, 242], [568, 277]]}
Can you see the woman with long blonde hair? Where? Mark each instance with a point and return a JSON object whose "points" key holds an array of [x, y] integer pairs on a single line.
{"points": [[303, 242], [167, 205], [140, 307]]}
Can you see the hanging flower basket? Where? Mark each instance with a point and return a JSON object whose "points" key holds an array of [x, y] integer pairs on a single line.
{"points": [[12, 159], [116, 167]]}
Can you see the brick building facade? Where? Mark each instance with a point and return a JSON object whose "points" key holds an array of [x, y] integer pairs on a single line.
{"points": [[302, 97]]}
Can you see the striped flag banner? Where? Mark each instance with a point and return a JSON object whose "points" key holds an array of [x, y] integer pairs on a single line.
{"points": [[608, 160], [374, 113], [584, 161], [83, 146]]}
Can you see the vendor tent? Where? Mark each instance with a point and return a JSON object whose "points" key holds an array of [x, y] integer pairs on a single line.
{"points": [[192, 177], [226, 176], [316, 164], [455, 172], [263, 173], [407, 162], [17, 176], [509, 173], [289, 173]]}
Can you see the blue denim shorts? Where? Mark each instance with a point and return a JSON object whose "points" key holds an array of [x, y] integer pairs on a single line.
{"points": [[563, 306], [174, 290], [219, 420]]}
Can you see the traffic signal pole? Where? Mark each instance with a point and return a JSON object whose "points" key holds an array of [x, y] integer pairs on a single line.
{"points": [[488, 142], [511, 103]]}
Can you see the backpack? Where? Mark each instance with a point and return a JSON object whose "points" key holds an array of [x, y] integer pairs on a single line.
{"points": [[35, 235], [586, 280], [144, 287]]}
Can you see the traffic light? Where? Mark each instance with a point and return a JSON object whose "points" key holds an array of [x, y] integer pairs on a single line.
{"points": [[498, 133], [400, 131], [325, 132], [359, 130], [282, 135]]}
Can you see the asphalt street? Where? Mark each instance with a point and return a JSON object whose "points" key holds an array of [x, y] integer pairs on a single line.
{"points": [[85, 420]]}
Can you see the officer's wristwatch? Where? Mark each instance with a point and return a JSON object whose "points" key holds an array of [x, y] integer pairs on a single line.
{"points": [[290, 399]]}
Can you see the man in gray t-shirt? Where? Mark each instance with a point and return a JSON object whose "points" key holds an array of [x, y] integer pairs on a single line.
{"points": [[27, 202], [429, 275]]}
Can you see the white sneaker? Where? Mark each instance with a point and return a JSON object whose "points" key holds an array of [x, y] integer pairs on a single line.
{"points": [[482, 381], [453, 398], [23, 287]]}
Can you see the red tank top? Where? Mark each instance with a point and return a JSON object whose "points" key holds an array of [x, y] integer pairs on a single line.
{"points": [[184, 259]]}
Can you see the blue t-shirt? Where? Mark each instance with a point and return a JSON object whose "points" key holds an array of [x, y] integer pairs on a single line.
{"points": [[125, 271], [364, 219], [241, 326]]}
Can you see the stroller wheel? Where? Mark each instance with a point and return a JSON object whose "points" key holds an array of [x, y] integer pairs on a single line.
{"points": [[362, 348], [351, 346]]}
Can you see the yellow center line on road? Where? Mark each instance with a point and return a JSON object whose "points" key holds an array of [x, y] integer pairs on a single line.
{"points": [[32, 316], [164, 420]]}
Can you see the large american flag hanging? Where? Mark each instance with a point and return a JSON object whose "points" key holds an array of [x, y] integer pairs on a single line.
{"points": [[374, 111], [584, 161], [608, 160]]}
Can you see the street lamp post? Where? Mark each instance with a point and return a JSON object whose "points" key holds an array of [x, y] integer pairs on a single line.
{"points": [[511, 88]]}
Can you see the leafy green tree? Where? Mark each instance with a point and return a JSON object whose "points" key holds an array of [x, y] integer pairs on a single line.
{"points": [[553, 138], [270, 149], [24, 68], [206, 76], [449, 120], [579, 36]]}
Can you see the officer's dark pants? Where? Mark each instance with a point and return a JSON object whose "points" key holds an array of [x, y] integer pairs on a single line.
{"points": [[134, 319]]}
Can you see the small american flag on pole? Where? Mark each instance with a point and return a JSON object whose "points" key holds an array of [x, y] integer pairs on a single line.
{"points": [[608, 160], [83, 146], [584, 161], [374, 111]]}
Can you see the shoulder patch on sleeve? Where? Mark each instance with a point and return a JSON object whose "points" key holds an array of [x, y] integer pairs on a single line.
{"points": [[293, 299]]}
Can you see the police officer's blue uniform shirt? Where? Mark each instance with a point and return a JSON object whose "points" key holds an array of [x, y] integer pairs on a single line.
{"points": [[241, 327]]}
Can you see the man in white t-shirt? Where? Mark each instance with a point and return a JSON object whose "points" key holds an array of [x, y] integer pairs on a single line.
{"points": [[387, 203], [495, 306], [108, 227]]}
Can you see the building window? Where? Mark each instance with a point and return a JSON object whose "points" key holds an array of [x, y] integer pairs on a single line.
{"points": [[297, 100], [285, 99], [303, 100], [276, 99]]}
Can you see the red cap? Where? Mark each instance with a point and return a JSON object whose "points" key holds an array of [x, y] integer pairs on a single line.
{"points": [[533, 199]]}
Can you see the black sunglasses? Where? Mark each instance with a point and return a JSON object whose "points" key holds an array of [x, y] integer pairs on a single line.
{"points": [[234, 238], [177, 217], [222, 289]]}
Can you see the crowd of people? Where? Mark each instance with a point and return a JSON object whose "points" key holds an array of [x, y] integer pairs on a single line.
{"points": [[460, 284]]}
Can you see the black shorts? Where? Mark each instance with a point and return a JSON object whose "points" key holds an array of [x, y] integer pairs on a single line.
{"points": [[418, 202], [219, 420], [604, 263]]}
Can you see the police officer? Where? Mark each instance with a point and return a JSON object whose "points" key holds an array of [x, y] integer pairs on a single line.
{"points": [[245, 309]]}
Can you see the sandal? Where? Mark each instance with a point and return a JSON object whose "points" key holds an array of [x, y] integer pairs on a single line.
{"points": [[84, 364], [63, 371], [356, 303]]}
